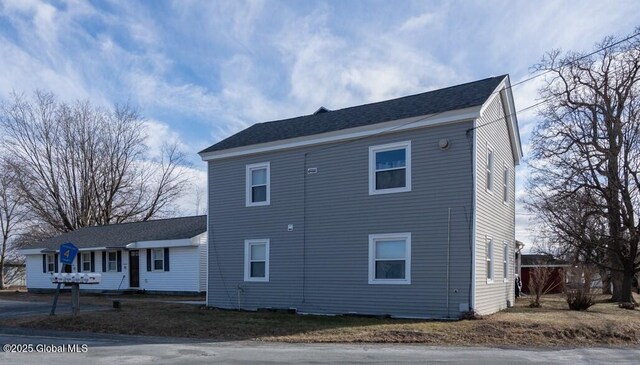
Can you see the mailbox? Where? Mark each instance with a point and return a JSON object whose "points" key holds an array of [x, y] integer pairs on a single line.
{"points": [[77, 278]]}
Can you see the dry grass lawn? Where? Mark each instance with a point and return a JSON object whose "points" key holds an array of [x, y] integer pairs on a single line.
{"points": [[551, 325]]}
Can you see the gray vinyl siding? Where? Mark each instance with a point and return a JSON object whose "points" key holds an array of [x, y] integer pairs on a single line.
{"points": [[494, 218], [322, 265]]}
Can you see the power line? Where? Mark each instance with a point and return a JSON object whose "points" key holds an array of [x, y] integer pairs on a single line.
{"points": [[578, 59], [492, 93], [524, 109]]}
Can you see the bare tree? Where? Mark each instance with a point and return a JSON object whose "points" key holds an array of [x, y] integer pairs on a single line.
{"points": [[79, 165], [12, 214], [584, 186], [541, 283]]}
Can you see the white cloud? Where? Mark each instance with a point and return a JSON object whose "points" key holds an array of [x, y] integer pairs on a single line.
{"points": [[421, 21]]}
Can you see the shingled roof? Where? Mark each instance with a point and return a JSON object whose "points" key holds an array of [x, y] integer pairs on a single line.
{"points": [[437, 101], [541, 260], [119, 235]]}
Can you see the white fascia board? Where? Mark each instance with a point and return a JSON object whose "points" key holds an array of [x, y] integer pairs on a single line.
{"points": [[453, 116], [503, 91], [30, 251], [195, 240], [550, 265], [162, 243]]}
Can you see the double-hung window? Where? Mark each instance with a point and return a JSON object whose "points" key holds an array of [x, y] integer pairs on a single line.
{"points": [[86, 261], [157, 255], [390, 258], [505, 262], [490, 158], [505, 185], [258, 185], [390, 168], [51, 262], [256, 260], [112, 261], [489, 257]]}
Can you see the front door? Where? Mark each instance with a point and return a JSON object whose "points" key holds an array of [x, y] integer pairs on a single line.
{"points": [[134, 269]]}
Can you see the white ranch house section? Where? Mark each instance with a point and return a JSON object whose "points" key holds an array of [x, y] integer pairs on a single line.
{"points": [[176, 265]]}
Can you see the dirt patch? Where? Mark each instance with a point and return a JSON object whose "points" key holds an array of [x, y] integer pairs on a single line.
{"points": [[551, 325]]}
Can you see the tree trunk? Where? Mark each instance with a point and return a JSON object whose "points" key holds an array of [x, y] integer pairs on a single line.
{"points": [[3, 253], [605, 275], [622, 287]]}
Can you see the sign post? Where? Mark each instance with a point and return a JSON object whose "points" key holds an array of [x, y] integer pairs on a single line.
{"points": [[68, 252]]}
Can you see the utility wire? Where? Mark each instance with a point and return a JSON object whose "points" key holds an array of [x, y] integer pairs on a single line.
{"points": [[492, 93], [526, 108]]}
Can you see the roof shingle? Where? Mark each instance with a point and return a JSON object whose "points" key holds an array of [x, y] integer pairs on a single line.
{"points": [[437, 101], [119, 235]]}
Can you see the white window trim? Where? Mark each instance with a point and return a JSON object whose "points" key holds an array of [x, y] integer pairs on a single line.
{"points": [[107, 261], [489, 170], [372, 251], [249, 168], [372, 167], [505, 261], [506, 180], [51, 260], [153, 260], [247, 259], [86, 261], [490, 258]]}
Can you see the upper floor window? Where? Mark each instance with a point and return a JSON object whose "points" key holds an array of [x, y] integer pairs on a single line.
{"points": [[390, 258], [258, 185], [505, 185], [390, 168], [490, 157], [256, 260], [489, 257]]}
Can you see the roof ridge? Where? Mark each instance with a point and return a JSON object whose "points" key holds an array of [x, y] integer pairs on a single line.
{"points": [[329, 111], [147, 221]]}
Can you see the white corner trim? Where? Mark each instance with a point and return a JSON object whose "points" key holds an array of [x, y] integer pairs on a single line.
{"points": [[454, 116], [372, 167], [248, 186], [407, 266], [474, 213]]}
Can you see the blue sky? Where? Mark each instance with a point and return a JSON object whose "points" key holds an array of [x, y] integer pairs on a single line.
{"points": [[202, 70]]}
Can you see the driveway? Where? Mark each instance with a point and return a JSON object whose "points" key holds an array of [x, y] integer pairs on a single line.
{"points": [[116, 349], [14, 308]]}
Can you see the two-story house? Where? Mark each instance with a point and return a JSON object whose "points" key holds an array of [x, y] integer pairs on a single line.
{"points": [[403, 207]]}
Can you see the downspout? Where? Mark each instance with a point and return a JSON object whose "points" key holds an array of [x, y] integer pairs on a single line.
{"points": [[304, 228], [472, 243], [448, 256]]}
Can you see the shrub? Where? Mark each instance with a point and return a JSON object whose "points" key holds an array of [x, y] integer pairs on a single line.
{"points": [[580, 299]]}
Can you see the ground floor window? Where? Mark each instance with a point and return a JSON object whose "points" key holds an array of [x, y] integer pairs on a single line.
{"points": [[158, 259], [256, 260], [86, 261], [390, 258], [51, 262], [112, 261]]}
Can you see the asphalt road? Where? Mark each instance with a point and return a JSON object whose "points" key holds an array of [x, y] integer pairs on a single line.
{"points": [[116, 349], [14, 308]]}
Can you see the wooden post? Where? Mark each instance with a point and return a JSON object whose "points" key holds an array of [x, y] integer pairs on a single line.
{"points": [[75, 299], [55, 297]]}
